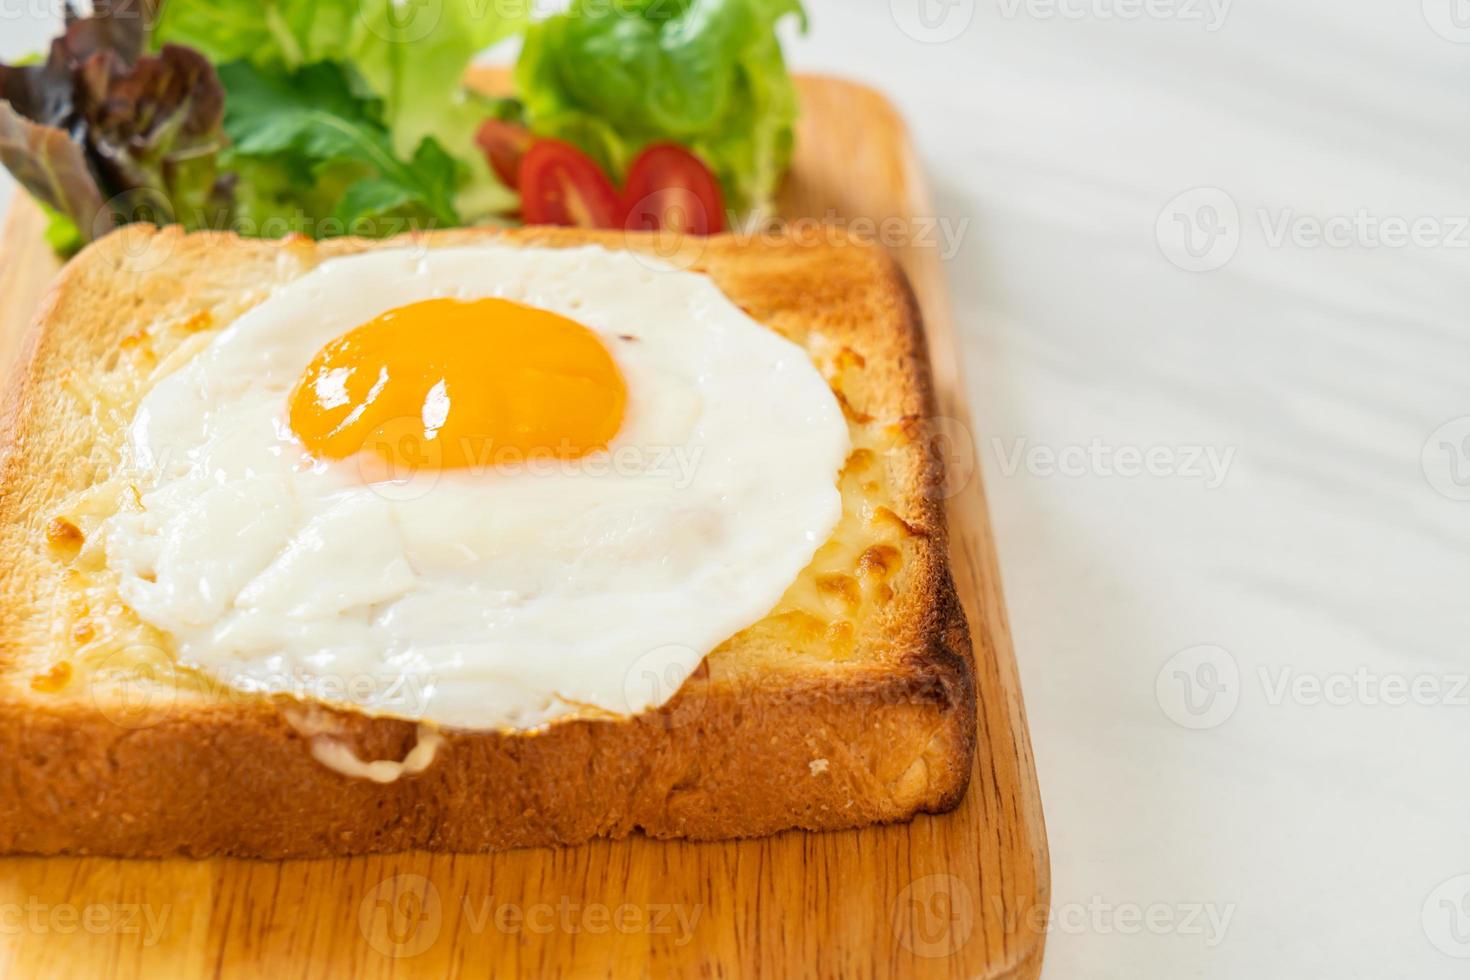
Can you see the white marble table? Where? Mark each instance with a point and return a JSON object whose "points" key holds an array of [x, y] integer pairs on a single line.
{"points": [[1229, 523]]}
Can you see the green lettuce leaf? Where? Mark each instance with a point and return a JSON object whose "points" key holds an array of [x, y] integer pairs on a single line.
{"points": [[270, 33], [612, 76], [61, 232], [415, 56], [412, 56], [312, 137]]}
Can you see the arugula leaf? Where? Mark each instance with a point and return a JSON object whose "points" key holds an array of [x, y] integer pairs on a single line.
{"points": [[314, 123], [612, 76]]}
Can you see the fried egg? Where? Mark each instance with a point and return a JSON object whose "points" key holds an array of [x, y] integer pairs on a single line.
{"points": [[486, 487]]}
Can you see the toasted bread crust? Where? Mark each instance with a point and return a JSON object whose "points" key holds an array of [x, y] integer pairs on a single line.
{"points": [[741, 750]]}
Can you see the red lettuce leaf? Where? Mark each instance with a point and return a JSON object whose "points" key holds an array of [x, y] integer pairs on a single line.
{"points": [[119, 26], [51, 165], [103, 133], [157, 128]]}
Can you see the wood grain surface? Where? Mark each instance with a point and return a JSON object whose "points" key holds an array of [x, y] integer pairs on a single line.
{"points": [[960, 895]]}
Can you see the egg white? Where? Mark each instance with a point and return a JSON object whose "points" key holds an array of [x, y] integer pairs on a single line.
{"points": [[504, 596]]}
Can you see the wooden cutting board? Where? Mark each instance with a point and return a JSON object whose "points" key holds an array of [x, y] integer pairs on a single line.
{"points": [[959, 895]]}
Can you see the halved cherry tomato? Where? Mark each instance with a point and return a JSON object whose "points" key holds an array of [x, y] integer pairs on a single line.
{"points": [[504, 144], [561, 185], [671, 189]]}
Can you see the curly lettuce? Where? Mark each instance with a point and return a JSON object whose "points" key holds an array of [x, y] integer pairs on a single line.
{"points": [[101, 133], [407, 59], [613, 76]]}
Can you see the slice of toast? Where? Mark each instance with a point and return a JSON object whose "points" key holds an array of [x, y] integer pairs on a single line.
{"points": [[850, 703]]}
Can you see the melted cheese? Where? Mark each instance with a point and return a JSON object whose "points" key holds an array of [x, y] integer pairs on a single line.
{"points": [[835, 611], [339, 757]]}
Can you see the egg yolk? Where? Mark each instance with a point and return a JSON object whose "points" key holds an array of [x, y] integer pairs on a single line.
{"points": [[452, 383]]}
